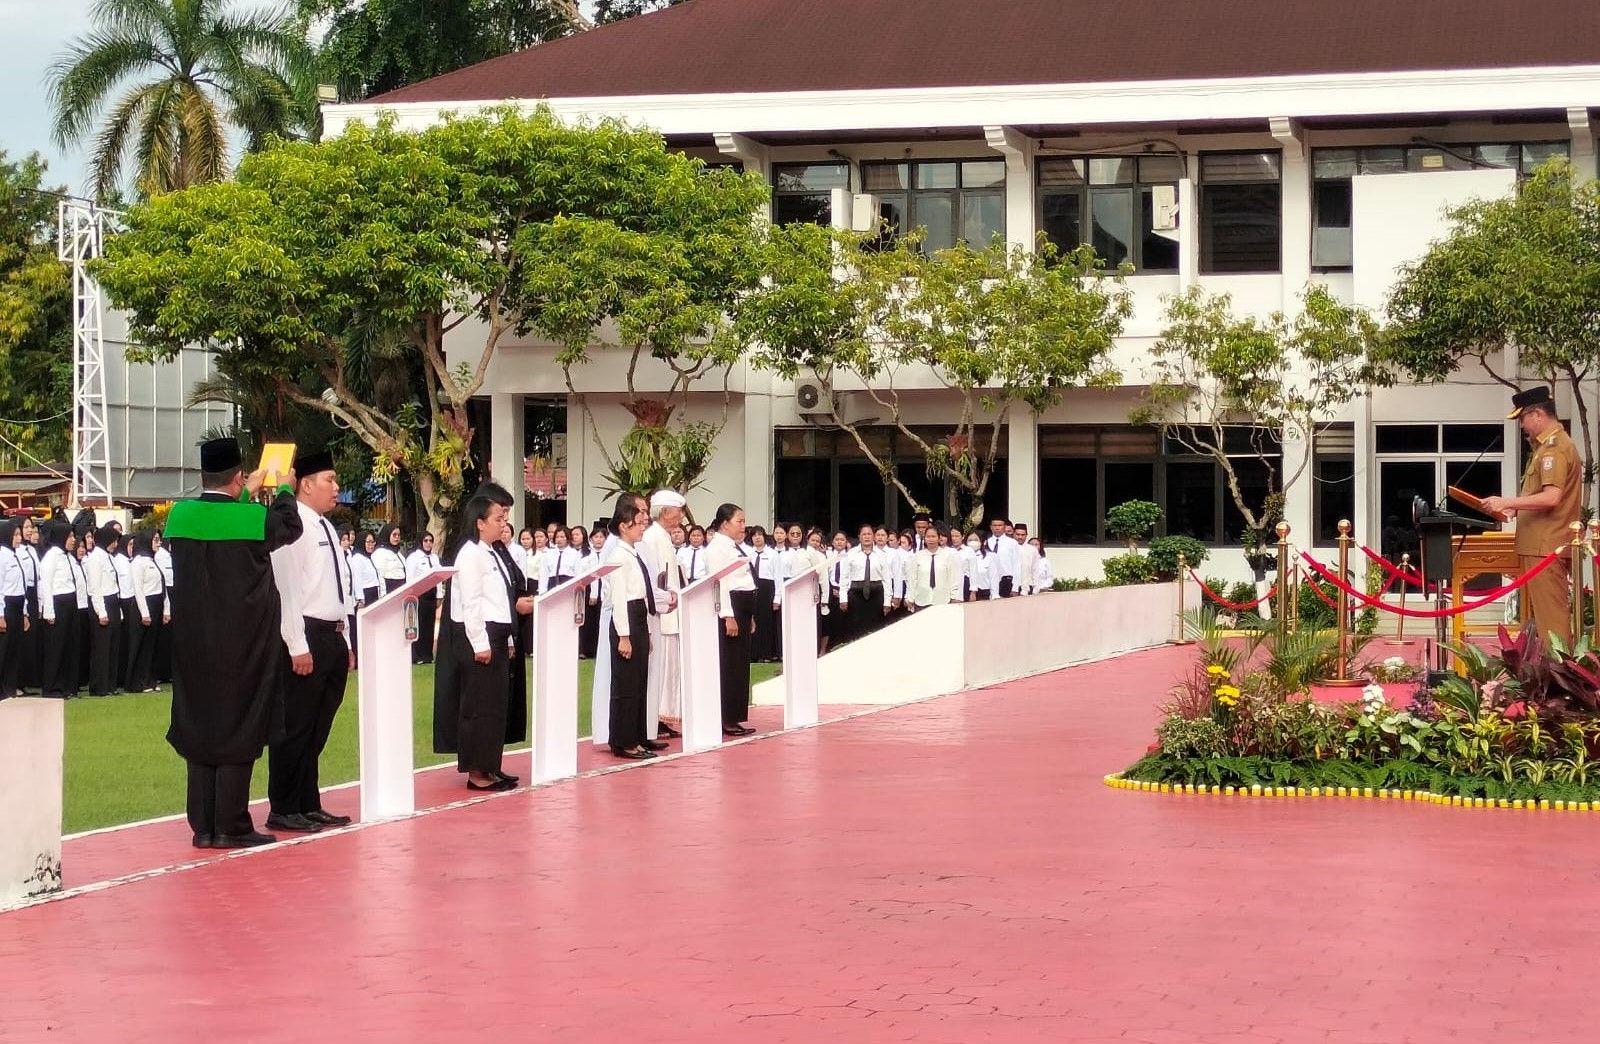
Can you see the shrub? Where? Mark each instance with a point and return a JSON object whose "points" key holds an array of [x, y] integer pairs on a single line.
{"points": [[1240, 593], [1131, 568], [1132, 521], [1164, 553], [1198, 738]]}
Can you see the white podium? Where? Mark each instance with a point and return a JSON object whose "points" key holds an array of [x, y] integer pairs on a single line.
{"points": [[557, 615], [800, 601], [32, 741], [384, 698], [701, 685]]}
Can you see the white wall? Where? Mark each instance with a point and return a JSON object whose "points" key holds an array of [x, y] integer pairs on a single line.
{"points": [[32, 739], [972, 644]]}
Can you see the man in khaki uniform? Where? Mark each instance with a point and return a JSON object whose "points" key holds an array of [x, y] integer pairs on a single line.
{"points": [[1549, 502]]}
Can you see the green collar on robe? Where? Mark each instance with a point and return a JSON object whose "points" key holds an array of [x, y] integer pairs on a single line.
{"points": [[205, 519]]}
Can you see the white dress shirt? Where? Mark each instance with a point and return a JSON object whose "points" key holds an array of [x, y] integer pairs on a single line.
{"points": [[389, 564], [147, 583], [1027, 568], [1007, 555], [694, 562], [310, 581], [867, 566], [363, 575], [767, 566], [1044, 576], [662, 558], [164, 563], [80, 581], [419, 564], [561, 561], [101, 574], [11, 578], [718, 553], [630, 582], [936, 577], [124, 567], [480, 594]]}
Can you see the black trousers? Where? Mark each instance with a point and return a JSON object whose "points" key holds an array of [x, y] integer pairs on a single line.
{"points": [[630, 678], [391, 584], [427, 613], [30, 656], [733, 660], [589, 633], [481, 726], [15, 644], [129, 637], [143, 642], [161, 665], [1005, 587], [866, 608], [58, 673], [103, 646], [80, 675], [764, 643], [219, 799], [310, 703]]}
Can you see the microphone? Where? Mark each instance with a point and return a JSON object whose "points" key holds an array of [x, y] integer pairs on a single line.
{"points": [[1461, 480]]}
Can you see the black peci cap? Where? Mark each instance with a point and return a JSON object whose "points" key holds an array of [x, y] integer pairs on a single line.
{"points": [[220, 455]]}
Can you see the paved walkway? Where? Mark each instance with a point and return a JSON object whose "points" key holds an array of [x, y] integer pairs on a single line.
{"points": [[947, 871]]}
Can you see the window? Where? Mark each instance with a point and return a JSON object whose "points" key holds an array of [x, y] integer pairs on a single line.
{"points": [[1332, 169], [803, 192], [1333, 480], [1110, 202], [1241, 212], [1420, 460], [1084, 470], [950, 199]]}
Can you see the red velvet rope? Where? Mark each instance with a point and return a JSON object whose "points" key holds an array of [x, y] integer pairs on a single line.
{"points": [[1433, 614], [1223, 601], [1333, 603], [1392, 569]]}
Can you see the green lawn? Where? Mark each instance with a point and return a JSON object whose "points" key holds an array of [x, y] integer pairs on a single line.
{"points": [[120, 769]]}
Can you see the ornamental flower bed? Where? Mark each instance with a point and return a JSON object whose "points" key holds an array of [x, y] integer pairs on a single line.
{"points": [[1522, 725]]}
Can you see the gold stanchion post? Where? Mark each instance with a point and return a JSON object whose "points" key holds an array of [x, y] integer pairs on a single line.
{"points": [[1182, 637], [1594, 595], [1283, 579], [1295, 578], [1400, 633], [1342, 661], [1577, 579]]}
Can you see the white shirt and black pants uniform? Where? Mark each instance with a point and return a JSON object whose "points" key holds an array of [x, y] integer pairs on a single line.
{"points": [[481, 596], [764, 644], [32, 649], [148, 624], [736, 601], [14, 593], [418, 565], [128, 609], [311, 604], [633, 602], [106, 625]]}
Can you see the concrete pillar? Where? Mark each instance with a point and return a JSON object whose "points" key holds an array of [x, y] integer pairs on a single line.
{"points": [[1188, 232], [1296, 216], [1583, 149], [1297, 507], [32, 744], [757, 495], [505, 449], [1022, 222], [1022, 449], [1366, 476]]}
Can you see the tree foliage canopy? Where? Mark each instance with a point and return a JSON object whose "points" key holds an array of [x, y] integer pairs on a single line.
{"points": [[35, 321], [188, 72], [1001, 327]]}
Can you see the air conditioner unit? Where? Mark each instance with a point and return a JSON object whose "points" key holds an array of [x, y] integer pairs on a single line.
{"points": [[813, 402], [865, 211], [1164, 208]]}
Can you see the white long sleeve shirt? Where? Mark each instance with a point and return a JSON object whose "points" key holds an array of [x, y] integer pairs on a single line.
{"points": [[630, 582], [694, 562], [481, 592], [1027, 568], [1008, 556], [863, 566], [163, 559], [101, 574], [665, 570], [124, 567], [719, 552], [310, 580], [147, 583], [11, 578], [936, 577], [363, 575], [419, 564], [389, 564]]}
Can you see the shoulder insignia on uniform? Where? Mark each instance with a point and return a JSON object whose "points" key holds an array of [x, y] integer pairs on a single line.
{"points": [[1549, 463]]}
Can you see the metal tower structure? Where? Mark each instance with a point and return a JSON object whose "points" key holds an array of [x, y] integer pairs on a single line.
{"points": [[81, 228]]}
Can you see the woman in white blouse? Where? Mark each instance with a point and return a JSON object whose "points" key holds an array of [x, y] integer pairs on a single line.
{"points": [[386, 558], [14, 624], [736, 604], [58, 606], [633, 598], [480, 602], [363, 573], [150, 605]]}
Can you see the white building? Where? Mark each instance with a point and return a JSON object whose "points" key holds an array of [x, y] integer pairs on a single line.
{"points": [[1305, 142]]}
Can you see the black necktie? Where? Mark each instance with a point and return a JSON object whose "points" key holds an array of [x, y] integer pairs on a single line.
{"points": [[333, 549], [649, 590], [694, 556], [753, 574], [932, 559], [868, 578]]}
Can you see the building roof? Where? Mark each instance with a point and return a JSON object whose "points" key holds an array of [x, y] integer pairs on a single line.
{"points": [[764, 46]]}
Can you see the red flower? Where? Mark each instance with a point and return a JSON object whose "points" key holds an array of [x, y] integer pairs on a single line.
{"points": [[1515, 711], [1153, 748]]}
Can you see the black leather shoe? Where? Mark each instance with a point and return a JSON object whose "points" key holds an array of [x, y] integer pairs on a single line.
{"points": [[507, 777], [254, 839], [499, 784], [635, 753], [293, 822], [654, 745], [326, 818], [203, 841], [668, 732], [737, 730]]}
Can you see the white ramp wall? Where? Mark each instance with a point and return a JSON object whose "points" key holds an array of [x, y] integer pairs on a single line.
{"points": [[31, 745], [966, 646]]}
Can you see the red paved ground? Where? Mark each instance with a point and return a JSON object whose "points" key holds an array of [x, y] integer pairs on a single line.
{"points": [[948, 871]]}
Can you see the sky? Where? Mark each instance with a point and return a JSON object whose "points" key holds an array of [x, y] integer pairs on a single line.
{"points": [[32, 34]]}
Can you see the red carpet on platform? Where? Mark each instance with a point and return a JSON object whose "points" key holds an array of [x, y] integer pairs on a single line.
{"points": [[952, 870]]}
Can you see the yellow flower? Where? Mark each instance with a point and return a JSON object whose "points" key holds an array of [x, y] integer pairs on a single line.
{"points": [[1227, 695], [1216, 670]]}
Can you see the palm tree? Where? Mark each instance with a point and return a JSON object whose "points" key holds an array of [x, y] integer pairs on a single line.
{"points": [[188, 71]]}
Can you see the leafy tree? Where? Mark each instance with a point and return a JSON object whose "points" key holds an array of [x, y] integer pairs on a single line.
{"points": [[1000, 327], [1520, 272], [35, 321], [1213, 375], [373, 46], [616, 10], [333, 269], [187, 71]]}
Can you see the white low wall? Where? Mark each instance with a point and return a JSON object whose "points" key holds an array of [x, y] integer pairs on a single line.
{"points": [[32, 740], [969, 645]]}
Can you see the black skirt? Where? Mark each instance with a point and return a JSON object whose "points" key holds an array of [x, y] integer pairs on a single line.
{"points": [[58, 671], [481, 722], [733, 661], [630, 678]]}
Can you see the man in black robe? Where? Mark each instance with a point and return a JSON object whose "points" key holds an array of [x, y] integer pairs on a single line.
{"points": [[227, 655]]}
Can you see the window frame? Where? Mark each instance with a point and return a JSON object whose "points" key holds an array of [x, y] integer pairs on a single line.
{"points": [[907, 198], [778, 193], [1136, 189], [1204, 187]]}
